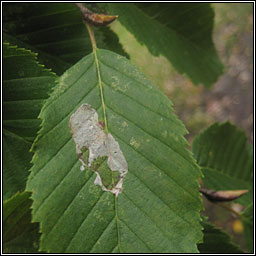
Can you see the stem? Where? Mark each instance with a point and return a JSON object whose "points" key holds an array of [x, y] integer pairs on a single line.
{"points": [[92, 37]]}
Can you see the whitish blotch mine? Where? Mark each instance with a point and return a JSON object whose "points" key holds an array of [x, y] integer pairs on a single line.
{"points": [[105, 157]]}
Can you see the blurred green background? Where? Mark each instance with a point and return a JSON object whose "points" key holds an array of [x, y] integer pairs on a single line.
{"points": [[230, 98]]}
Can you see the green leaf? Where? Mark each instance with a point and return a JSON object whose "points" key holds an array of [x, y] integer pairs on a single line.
{"points": [[16, 163], [217, 180], [247, 218], [217, 241], [56, 31], [226, 159], [19, 234], [158, 209], [25, 86], [182, 32], [49, 60]]}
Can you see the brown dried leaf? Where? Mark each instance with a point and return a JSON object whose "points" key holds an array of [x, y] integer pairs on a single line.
{"points": [[97, 19], [222, 195]]}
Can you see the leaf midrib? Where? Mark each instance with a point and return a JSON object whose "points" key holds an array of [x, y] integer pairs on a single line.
{"points": [[106, 128], [105, 117]]}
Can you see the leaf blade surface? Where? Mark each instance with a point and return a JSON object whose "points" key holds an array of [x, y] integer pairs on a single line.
{"points": [[155, 188], [226, 159], [217, 241], [19, 234], [25, 87], [182, 32]]}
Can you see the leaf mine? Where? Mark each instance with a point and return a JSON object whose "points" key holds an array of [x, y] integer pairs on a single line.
{"points": [[105, 156]]}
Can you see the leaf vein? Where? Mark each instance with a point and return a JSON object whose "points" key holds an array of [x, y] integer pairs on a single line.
{"points": [[154, 193], [26, 78], [69, 86], [114, 248], [138, 102], [52, 157], [66, 208], [136, 235], [52, 191], [58, 150], [102, 233], [150, 161], [146, 132], [63, 119], [89, 212], [10, 102], [149, 217], [132, 78]]}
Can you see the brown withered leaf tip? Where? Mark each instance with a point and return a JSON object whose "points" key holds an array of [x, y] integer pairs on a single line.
{"points": [[222, 195], [95, 19], [100, 19]]}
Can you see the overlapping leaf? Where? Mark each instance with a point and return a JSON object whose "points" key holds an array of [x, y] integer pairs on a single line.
{"points": [[182, 32], [25, 86], [158, 210], [19, 234], [55, 31], [226, 159], [216, 241], [248, 223]]}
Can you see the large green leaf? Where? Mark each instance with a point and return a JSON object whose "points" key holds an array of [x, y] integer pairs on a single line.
{"points": [[25, 86], [16, 163], [182, 32], [49, 60], [247, 218], [158, 210], [226, 159], [56, 31], [216, 241], [19, 234]]}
